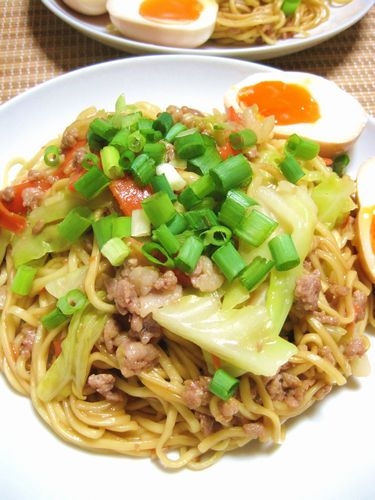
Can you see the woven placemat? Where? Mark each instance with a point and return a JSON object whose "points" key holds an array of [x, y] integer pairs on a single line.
{"points": [[35, 46]]}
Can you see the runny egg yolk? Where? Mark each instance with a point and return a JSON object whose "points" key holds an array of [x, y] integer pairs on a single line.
{"points": [[171, 10], [289, 103]]}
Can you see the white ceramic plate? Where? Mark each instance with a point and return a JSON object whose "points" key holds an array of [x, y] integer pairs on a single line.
{"points": [[97, 27], [328, 453]]}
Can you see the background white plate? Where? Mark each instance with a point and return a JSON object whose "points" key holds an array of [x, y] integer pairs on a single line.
{"points": [[328, 453], [95, 27]]}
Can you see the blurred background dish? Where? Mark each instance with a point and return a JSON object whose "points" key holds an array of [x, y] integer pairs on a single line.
{"points": [[97, 27]]}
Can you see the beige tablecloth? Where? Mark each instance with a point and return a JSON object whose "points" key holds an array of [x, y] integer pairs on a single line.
{"points": [[35, 45]]}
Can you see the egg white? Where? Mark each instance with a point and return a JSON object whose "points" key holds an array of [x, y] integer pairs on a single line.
{"points": [[88, 7], [365, 215], [125, 16], [342, 118]]}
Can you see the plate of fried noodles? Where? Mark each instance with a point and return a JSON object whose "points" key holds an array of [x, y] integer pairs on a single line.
{"points": [[146, 345], [255, 29]]}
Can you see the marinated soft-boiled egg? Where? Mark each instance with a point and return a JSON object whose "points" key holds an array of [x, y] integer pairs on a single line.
{"points": [[88, 7], [176, 23], [303, 104], [365, 221]]}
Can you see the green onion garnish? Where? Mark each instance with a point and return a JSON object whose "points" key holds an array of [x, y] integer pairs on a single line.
{"points": [[53, 319], [156, 151], [291, 169], [174, 131], [304, 149], [201, 219], [189, 253], [23, 279], [228, 260], [121, 227], [255, 272], [340, 163], [284, 252], [216, 235], [115, 250], [159, 208], [160, 183], [255, 228], [289, 7], [157, 254], [167, 239], [243, 139], [90, 160], [163, 123], [52, 156], [91, 183], [72, 302], [103, 229], [231, 173], [189, 145], [136, 141], [223, 385], [110, 158], [143, 169], [75, 223]]}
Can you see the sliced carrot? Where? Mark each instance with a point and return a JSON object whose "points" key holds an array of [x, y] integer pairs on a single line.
{"points": [[128, 194], [10, 220]]}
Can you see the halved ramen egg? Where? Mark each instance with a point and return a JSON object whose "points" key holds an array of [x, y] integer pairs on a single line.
{"points": [[365, 220], [303, 104], [176, 23], [88, 7]]}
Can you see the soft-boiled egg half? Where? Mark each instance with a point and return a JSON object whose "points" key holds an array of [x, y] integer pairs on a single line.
{"points": [[174, 23], [303, 104], [365, 220], [88, 7]]}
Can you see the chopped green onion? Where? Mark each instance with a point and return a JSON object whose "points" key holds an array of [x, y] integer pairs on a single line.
{"points": [[189, 145], [167, 239], [110, 158], [234, 208], [228, 260], [130, 121], [53, 319], [146, 129], [243, 139], [304, 149], [197, 191], [75, 223], [115, 250], [173, 132], [126, 159], [160, 183], [103, 229], [255, 228], [121, 227], [91, 183], [136, 141], [289, 7], [120, 140], [284, 252], [216, 235], [90, 160], [103, 129], [177, 224], [163, 123], [143, 169], [23, 279], [223, 385], [231, 173], [340, 163], [189, 254], [201, 219], [52, 156], [72, 302], [209, 159], [158, 208], [157, 254], [291, 169], [156, 151], [255, 272]]}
